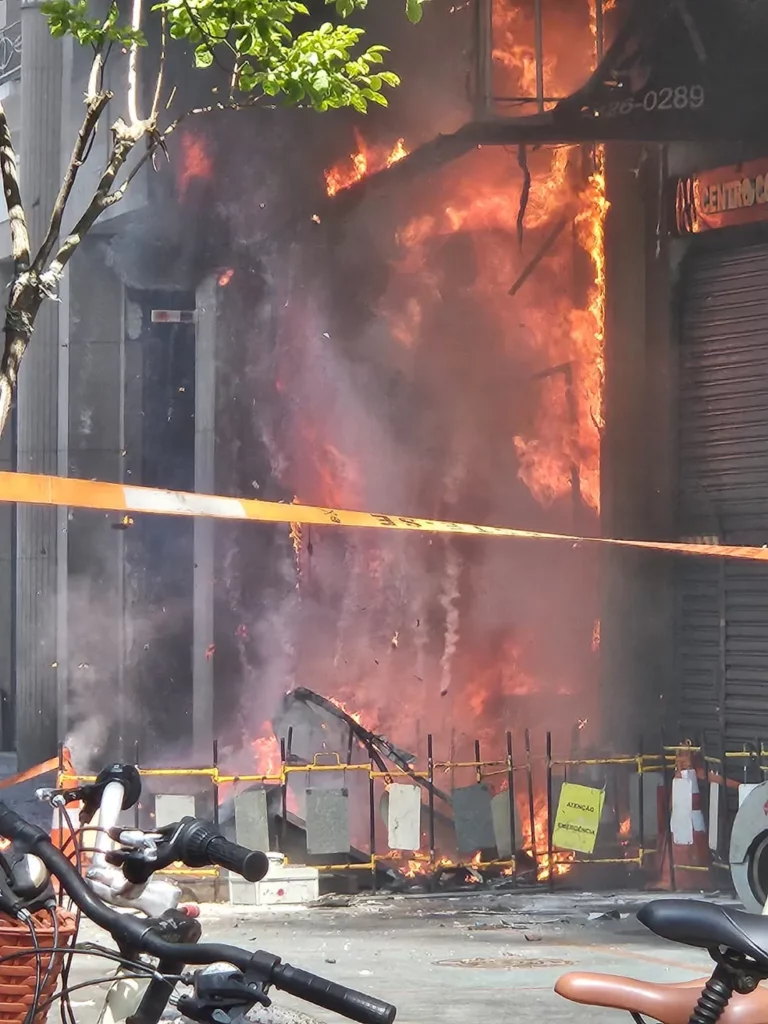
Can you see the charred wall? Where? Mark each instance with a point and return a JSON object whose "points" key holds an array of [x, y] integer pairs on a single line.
{"points": [[638, 450]]}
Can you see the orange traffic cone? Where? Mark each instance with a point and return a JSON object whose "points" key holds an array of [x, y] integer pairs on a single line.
{"points": [[62, 835]]}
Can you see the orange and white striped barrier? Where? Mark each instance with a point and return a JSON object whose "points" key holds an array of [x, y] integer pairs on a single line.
{"points": [[51, 765], [108, 497]]}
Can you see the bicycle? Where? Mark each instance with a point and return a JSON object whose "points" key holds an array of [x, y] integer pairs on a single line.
{"points": [[120, 872], [736, 941]]}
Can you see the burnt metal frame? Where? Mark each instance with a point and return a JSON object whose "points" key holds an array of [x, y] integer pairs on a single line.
{"points": [[715, 774], [484, 100]]}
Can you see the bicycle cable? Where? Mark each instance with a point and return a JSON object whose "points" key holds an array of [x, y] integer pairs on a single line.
{"points": [[32, 1011]]}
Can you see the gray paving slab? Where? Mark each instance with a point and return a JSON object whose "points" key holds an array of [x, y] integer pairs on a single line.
{"points": [[450, 960]]}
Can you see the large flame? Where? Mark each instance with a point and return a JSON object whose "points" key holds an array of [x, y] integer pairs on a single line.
{"points": [[502, 344], [366, 160]]}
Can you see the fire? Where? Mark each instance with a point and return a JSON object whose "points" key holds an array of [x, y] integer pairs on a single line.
{"points": [[196, 162], [356, 716], [561, 861], [366, 160], [596, 630], [493, 347], [266, 752], [225, 277]]}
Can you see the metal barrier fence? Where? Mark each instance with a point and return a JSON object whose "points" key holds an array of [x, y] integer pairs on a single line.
{"points": [[498, 817]]}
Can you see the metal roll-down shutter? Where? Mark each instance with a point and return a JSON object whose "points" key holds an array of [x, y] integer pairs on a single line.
{"points": [[722, 608]]}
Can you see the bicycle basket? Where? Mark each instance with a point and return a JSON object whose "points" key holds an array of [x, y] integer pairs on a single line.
{"points": [[17, 976]]}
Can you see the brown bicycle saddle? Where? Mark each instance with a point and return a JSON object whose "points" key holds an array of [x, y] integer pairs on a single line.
{"points": [[670, 1004]]}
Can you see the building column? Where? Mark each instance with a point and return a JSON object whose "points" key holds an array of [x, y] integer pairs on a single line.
{"points": [[37, 568], [205, 446]]}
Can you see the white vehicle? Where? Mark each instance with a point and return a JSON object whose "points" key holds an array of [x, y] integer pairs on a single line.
{"points": [[157, 938]]}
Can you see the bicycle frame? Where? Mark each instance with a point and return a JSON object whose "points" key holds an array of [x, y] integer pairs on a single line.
{"points": [[124, 995]]}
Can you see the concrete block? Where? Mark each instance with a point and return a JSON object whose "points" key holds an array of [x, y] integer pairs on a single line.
{"points": [[652, 782], [169, 809], [251, 819], [501, 826], [473, 819], [404, 817], [327, 821]]}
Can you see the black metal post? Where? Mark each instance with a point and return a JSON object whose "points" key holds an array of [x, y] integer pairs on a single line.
{"points": [[372, 811], [539, 44], [484, 51], [724, 815], [641, 804], [431, 775], [137, 808], [668, 782], [550, 847], [511, 798], [60, 751], [531, 798], [284, 800], [217, 879]]}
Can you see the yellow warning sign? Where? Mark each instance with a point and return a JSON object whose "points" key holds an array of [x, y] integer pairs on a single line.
{"points": [[578, 818]]}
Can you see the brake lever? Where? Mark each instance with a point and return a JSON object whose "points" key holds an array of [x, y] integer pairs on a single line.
{"points": [[89, 794], [222, 997]]}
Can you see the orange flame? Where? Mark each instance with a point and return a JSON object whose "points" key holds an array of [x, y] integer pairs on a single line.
{"points": [[266, 753], [196, 162], [367, 160]]}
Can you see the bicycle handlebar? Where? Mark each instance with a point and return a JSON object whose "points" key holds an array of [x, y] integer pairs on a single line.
{"points": [[196, 844], [133, 933]]}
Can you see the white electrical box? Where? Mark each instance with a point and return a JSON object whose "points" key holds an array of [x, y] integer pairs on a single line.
{"points": [[288, 884]]}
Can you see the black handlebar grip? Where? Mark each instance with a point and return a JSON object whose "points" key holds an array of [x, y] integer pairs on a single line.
{"points": [[13, 826], [331, 996], [252, 865]]}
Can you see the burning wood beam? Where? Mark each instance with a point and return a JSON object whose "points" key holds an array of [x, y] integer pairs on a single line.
{"points": [[540, 254]]}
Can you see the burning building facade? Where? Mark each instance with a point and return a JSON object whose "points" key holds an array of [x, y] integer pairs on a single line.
{"points": [[493, 339]]}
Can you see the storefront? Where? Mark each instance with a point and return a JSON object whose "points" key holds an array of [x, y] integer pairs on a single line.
{"points": [[721, 630]]}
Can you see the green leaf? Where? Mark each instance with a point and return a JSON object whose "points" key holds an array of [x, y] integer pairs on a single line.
{"points": [[277, 49], [203, 56], [414, 10]]}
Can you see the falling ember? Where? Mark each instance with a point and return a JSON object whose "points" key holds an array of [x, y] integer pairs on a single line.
{"points": [[225, 277], [367, 160], [196, 162]]}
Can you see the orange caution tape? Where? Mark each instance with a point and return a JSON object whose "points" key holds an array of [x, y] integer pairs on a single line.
{"points": [[51, 765], [66, 491]]}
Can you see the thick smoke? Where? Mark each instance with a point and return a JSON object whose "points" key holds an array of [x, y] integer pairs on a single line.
{"points": [[377, 361], [401, 377]]}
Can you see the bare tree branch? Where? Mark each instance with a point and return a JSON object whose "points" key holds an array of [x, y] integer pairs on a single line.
{"points": [[94, 78], [18, 320], [94, 109], [133, 65], [16, 216], [124, 138], [161, 70]]}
